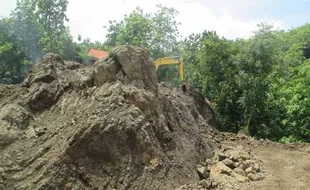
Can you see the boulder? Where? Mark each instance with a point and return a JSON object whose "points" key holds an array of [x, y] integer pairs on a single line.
{"points": [[202, 172], [219, 169], [255, 177], [137, 65], [240, 178], [229, 163], [15, 115]]}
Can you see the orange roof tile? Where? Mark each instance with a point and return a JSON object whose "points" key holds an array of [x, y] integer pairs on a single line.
{"points": [[100, 54]]}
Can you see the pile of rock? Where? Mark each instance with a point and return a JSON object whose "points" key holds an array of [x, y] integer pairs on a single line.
{"points": [[231, 165], [107, 126]]}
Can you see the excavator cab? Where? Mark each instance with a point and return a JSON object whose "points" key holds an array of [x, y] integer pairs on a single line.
{"points": [[173, 60]]}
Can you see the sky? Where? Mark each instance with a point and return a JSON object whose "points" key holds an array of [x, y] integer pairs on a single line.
{"points": [[229, 18]]}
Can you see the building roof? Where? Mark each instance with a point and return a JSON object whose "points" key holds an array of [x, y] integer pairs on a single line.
{"points": [[100, 54]]}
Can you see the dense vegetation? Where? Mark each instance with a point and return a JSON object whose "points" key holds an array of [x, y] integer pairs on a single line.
{"points": [[260, 84]]}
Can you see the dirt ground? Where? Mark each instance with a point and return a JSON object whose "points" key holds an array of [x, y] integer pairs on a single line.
{"points": [[285, 167]]}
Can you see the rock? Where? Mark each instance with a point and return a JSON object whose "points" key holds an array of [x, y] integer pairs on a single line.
{"points": [[220, 168], [214, 184], [235, 155], [249, 170], [14, 119], [208, 161], [254, 177], [242, 167], [240, 147], [221, 156], [226, 147], [209, 167], [6, 136], [15, 115], [240, 171], [236, 164], [240, 178], [46, 70], [127, 62], [105, 73], [229, 163], [154, 163], [202, 172], [256, 167], [248, 163], [137, 64], [204, 183]]}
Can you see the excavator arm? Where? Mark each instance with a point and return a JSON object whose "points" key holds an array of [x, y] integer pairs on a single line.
{"points": [[173, 60]]}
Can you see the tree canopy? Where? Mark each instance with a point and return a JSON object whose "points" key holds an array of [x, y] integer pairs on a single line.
{"points": [[260, 84]]}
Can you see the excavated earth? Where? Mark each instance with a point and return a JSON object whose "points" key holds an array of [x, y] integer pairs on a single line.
{"points": [[112, 126], [108, 126]]}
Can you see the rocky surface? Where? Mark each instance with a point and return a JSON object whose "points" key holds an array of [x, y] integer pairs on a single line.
{"points": [[108, 126]]}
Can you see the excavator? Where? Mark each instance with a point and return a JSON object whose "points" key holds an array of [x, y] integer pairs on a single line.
{"points": [[173, 60]]}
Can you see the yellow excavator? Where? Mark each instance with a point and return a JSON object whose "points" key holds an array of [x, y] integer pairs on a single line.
{"points": [[173, 60]]}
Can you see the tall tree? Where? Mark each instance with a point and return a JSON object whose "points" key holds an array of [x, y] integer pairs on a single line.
{"points": [[27, 28], [41, 26], [51, 15], [12, 55], [157, 32]]}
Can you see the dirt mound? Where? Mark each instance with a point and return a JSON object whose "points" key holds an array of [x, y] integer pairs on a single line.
{"points": [[109, 126]]}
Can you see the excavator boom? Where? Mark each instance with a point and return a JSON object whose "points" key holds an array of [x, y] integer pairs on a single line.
{"points": [[173, 60]]}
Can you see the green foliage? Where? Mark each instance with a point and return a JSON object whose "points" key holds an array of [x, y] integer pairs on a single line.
{"points": [[136, 29], [295, 96], [253, 65], [12, 55], [25, 25], [34, 28], [51, 17], [260, 84], [290, 139], [41, 26], [157, 32]]}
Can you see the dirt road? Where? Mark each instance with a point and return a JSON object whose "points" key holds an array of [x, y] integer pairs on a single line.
{"points": [[286, 167]]}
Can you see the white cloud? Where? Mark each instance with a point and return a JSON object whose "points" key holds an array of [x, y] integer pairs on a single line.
{"points": [[228, 17]]}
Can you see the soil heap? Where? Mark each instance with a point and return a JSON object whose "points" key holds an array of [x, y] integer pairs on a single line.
{"points": [[107, 126]]}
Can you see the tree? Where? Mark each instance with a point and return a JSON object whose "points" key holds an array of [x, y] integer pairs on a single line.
{"points": [[40, 25], [51, 16], [165, 32], [234, 75], [254, 64], [12, 55], [27, 28], [288, 98], [158, 32]]}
